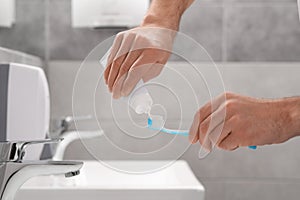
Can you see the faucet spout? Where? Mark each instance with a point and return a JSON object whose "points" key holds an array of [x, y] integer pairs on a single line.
{"points": [[15, 174], [71, 136]]}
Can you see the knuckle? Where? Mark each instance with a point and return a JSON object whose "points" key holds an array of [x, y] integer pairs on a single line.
{"points": [[228, 95], [230, 105], [123, 70], [198, 114], [119, 34], [117, 62]]}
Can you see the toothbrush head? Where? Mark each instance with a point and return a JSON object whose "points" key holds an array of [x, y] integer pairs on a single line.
{"points": [[155, 123], [150, 122]]}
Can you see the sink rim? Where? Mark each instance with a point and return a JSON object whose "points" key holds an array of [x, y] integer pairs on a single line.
{"points": [[191, 181]]}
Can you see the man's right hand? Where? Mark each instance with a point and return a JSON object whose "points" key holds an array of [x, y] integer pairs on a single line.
{"points": [[136, 54], [141, 53]]}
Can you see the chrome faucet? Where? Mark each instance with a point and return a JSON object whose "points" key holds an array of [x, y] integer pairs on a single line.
{"points": [[63, 125], [14, 172], [62, 131]]}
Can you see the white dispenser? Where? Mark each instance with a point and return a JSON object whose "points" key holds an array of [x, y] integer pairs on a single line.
{"points": [[108, 13], [24, 105], [7, 13]]}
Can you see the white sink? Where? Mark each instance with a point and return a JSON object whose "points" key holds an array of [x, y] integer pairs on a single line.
{"points": [[97, 181]]}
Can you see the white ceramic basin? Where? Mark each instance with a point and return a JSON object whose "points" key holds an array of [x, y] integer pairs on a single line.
{"points": [[97, 181]]}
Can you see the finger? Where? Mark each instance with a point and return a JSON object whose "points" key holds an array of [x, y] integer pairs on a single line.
{"points": [[193, 133], [165, 55], [131, 57], [113, 52], [229, 126], [206, 144], [211, 107], [137, 71], [133, 77], [211, 122], [117, 87], [219, 133], [119, 59], [212, 138], [114, 71], [229, 143]]}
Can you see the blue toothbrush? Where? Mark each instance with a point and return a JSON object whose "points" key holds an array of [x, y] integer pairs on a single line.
{"points": [[175, 132], [165, 130]]}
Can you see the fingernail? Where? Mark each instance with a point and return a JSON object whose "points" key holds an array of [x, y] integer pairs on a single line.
{"points": [[115, 96]]}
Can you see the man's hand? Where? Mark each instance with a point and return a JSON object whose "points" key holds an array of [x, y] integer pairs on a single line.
{"points": [[142, 52], [231, 121], [137, 54]]}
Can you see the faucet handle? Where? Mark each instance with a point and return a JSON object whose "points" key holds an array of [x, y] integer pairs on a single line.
{"points": [[78, 118], [70, 119], [15, 151], [64, 124]]}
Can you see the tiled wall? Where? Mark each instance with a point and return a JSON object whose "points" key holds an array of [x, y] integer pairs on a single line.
{"points": [[234, 30], [28, 34]]}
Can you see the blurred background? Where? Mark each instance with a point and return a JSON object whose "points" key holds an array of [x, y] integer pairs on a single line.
{"points": [[255, 43]]}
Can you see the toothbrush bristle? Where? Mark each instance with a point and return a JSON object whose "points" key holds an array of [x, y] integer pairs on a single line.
{"points": [[150, 122]]}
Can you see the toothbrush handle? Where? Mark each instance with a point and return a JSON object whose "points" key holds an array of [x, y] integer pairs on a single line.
{"points": [[252, 147]]}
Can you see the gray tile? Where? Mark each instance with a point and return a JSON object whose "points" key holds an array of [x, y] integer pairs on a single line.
{"points": [[243, 189], [68, 43], [263, 32], [27, 35], [277, 161], [203, 23], [269, 80], [61, 78]]}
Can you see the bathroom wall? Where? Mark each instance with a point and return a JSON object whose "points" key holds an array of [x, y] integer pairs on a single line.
{"points": [[235, 30], [245, 31], [28, 33]]}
